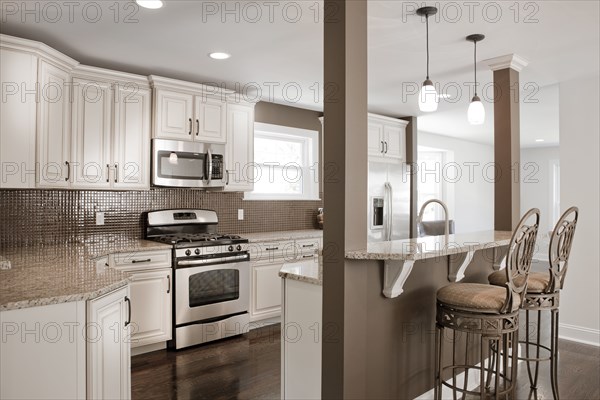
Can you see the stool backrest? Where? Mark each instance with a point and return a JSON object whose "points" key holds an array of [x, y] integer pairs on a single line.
{"points": [[518, 259], [560, 248]]}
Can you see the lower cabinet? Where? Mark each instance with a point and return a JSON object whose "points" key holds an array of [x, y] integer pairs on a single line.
{"points": [[108, 346], [265, 291], [150, 307]]}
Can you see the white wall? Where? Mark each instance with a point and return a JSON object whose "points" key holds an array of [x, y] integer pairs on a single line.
{"points": [[579, 180], [473, 205], [536, 182]]}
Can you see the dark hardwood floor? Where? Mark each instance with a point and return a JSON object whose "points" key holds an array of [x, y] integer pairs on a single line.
{"points": [[247, 367]]}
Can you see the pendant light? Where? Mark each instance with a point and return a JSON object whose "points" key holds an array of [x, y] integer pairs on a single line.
{"points": [[476, 112], [428, 98]]}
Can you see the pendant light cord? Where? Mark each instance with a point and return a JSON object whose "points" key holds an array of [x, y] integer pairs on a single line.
{"points": [[475, 65], [427, 36]]}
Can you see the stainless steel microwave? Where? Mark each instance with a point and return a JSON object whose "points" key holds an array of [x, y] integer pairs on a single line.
{"points": [[177, 163]]}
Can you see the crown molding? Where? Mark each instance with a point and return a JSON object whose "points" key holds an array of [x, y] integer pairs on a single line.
{"points": [[512, 61], [39, 49]]}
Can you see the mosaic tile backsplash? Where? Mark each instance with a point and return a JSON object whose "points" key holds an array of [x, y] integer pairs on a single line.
{"points": [[30, 217]]}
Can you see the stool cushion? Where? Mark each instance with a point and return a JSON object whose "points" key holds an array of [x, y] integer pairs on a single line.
{"points": [[475, 297], [537, 282]]}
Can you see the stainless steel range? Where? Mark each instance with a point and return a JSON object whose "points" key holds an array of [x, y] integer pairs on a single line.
{"points": [[211, 275]]}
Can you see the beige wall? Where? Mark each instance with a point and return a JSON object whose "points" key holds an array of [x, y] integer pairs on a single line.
{"points": [[579, 180]]}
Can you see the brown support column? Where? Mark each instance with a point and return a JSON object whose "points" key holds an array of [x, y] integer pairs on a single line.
{"points": [[412, 155], [507, 141], [345, 193]]}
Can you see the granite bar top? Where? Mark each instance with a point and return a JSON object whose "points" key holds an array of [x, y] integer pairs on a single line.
{"points": [[431, 246], [304, 271], [51, 274], [283, 235]]}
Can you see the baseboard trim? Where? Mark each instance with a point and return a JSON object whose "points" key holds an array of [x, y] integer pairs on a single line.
{"points": [[579, 334], [136, 351]]}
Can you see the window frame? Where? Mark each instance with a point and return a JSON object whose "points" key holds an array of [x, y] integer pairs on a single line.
{"points": [[309, 169]]}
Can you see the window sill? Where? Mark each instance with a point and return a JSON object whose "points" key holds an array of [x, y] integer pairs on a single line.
{"points": [[248, 197]]}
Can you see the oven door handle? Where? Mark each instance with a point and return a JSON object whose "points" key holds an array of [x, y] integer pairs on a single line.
{"points": [[209, 166], [204, 261]]}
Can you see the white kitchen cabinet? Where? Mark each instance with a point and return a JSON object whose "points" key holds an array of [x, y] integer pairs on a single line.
{"points": [[265, 291], [173, 115], [386, 138], [18, 72], [240, 147], [151, 291], [54, 126], [151, 307], [91, 134], [188, 111], [43, 352], [108, 346], [131, 138], [210, 119], [302, 334], [267, 258]]}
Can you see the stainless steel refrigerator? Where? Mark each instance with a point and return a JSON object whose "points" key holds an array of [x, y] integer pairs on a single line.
{"points": [[389, 201]]}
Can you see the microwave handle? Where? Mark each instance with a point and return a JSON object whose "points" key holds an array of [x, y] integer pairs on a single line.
{"points": [[209, 166]]}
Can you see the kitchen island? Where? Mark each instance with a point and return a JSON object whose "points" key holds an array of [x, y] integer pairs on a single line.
{"points": [[394, 286]]}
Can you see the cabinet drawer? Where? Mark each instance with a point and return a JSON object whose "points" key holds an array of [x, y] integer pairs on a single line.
{"points": [[138, 260], [307, 247], [269, 251]]}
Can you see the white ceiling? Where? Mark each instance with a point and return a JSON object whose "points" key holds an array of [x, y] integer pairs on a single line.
{"points": [[284, 49]]}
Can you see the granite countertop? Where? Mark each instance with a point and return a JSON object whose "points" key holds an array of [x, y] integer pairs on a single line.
{"points": [[304, 271], [431, 246], [283, 235], [52, 274]]}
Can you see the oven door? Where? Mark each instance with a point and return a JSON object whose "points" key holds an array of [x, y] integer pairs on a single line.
{"points": [[211, 291]]}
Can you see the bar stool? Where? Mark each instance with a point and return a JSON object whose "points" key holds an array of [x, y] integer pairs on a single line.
{"points": [[490, 313], [543, 294]]}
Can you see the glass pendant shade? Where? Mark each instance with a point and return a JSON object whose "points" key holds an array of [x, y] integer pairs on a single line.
{"points": [[428, 98], [476, 112], [151, 4]]}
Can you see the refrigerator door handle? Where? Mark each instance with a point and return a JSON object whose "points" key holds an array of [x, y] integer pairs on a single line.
{"points": [[388, 210]]}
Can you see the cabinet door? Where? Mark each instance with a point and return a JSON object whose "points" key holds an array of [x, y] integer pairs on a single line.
{"points": [[131, 140], [90, 139], [240, 148], [54, 126], [375, 139], [18, 72], [265, 291], [394, 139], [210, 120], [173, 115], [150, 307], [108, 350]]}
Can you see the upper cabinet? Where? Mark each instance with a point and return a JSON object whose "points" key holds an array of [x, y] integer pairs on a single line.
{"points": [[35, 85], [386, 138], [239, 159], [189, 111]]}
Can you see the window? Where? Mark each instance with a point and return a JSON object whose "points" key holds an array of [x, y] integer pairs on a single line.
{"points": [[286, 163], [434, 181]]}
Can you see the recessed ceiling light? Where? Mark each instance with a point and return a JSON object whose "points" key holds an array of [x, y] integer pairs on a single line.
{"points": [[539, 140], [219, 56], [152, 4]]}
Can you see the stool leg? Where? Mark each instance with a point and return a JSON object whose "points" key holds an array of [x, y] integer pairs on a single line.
{"points": [[527, 349], [453, 363], [491, 361], [554, 353], [439, 337], [482, 370], [537, 353], [499, 345], [466, 379], [515, 361]]}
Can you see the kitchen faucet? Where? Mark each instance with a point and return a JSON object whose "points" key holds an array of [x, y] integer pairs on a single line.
{"points": [[422, 211]]}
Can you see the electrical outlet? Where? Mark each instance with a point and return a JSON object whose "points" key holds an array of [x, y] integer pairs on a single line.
{"points": [[99, 218], [240, 214]]}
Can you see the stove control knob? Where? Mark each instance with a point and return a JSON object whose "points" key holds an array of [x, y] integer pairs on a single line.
{"points": [[188, 252], [197, 251], [230, 248], [239, 247]]}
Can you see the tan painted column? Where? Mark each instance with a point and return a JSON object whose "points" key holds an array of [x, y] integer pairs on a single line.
{"points": [[345, 190], [507, 140]]}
